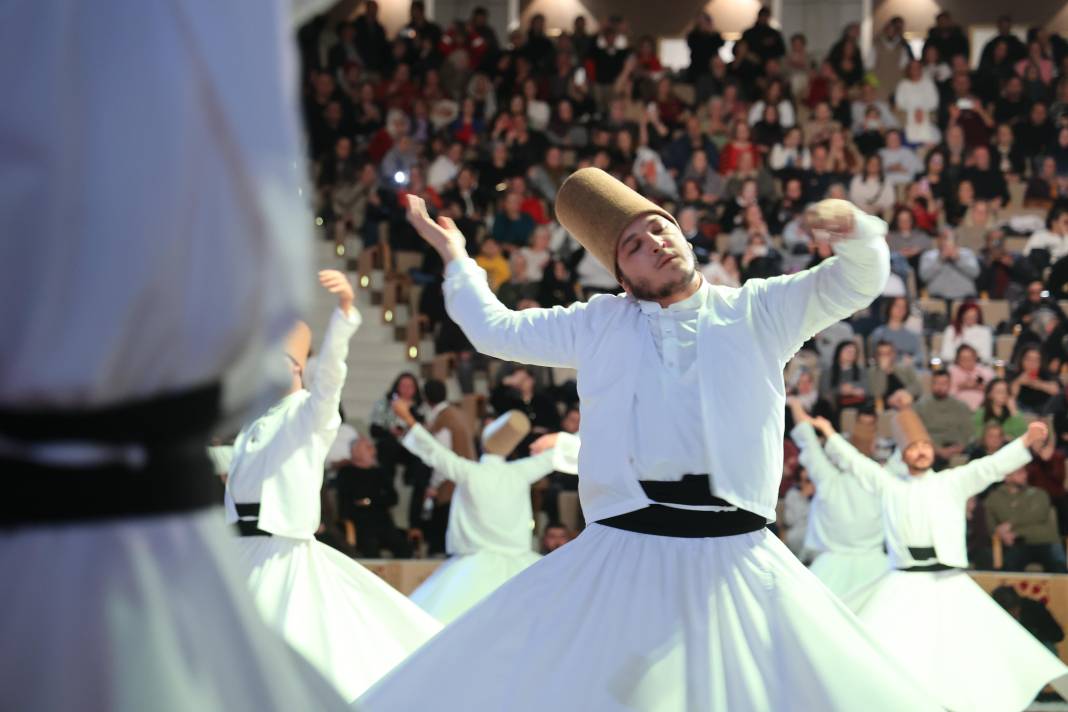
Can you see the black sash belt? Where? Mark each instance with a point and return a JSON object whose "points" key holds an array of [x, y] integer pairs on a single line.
{"points": [[175, 475], [923, 553], [248, 523], [694, 490]]}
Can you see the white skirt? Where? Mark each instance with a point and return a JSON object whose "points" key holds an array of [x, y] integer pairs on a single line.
{"points": [[958, 642], [463, 581], [618, 621], [844, 573], [137, 615], [352, 625]]}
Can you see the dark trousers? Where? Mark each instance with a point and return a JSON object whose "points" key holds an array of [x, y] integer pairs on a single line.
{"points": [[1018, 556]]}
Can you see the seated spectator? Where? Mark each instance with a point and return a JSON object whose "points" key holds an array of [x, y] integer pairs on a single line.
{"points": [[968, 328], [563, 130], [1023, 518], [790, 207], [387, 428], [1003, 272], [710, 183], [365, 497], [555, 534], [917, 97], [870, 191], [867, 101], [750, 170], [949, 271], [891, 374], [841, 156], [991, 439], [789, 157], [491, 259], [934, 183], [396, 167], [845, 383], [537, 255], [948, 421], [1054, 239], [547, 177], [773, 96], [987, 179], [768, 131], [1006, 156], [1036, 57], [740, 144], [654, 180], [1044, 187], [444, 169], [1032, 385], [511, 226], [722, 270], [1036, 300], [869, 136], [751, 224], [968, 377], [518, 391], [1031, 614], [905, 239], [905, 341], [519, 286], [999, 407], [760, 259], [1046, 471], [821, 126], [900, 163], [958, 204], [557, 287]]}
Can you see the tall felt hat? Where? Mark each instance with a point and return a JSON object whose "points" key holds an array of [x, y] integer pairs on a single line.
{"points": [[863, 437], [595, 208], [502, 435], [298, 343], [909, 429]]}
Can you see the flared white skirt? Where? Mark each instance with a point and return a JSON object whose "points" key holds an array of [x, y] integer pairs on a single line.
{"points": [[140, 614], [844, 572], [463, 581], [347, 621], [618, 621], [958, 642]]}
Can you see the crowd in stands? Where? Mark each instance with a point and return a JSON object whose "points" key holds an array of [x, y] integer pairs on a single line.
{"points": [[967, 162]]}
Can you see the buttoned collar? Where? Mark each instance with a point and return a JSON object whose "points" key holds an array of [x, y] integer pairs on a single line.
{"points": [[690, 303]]}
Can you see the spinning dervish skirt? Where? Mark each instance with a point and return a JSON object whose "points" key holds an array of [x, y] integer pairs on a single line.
{"points": [[352, 625], [958, 642], [463, 581], [616, 621], [844, 573], [141, 614]]}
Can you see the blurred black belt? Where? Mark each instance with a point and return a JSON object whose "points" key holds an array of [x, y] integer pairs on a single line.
{"points": [[924, 553], [160, 466], [248, 520], [692, 490]]}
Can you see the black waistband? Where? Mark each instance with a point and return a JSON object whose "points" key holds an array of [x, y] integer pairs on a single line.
{"points": [[248, 522], [174, 480], [691, 489], [166, 418], [923, 553], [661, 520], [173, 476]]}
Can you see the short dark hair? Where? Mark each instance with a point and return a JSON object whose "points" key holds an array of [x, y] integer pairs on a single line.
{"points": [[434, 391], [939, 373]]}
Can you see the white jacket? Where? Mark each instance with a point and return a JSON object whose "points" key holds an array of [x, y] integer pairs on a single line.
{"points": [[746, 336], [938, 499], [279, 458]]}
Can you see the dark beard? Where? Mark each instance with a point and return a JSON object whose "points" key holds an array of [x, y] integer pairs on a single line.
{"points": [[643, 291]]}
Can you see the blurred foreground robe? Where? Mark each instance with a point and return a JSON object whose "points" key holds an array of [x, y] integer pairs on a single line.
{"points": [[154, 247]]}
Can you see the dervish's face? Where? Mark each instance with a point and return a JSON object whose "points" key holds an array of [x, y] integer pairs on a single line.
{"points": [[919, 456], [653, 258]]}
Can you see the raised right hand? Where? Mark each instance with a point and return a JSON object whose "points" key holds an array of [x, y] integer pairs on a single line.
{"points": [[545, 442], [442, 235]]}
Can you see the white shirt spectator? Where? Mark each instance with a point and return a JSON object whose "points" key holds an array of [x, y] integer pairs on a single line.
{"points": [[441, 172], [538, 115], [979, 336], [912, 96], [787, 117], [782, 157], [1057, 245], [900, 165], [872, 195]]}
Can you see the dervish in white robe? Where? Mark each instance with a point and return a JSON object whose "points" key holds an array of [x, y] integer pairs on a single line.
{"points": [[347, 621], [926, 611], [155, 251], [845, 523], [624, 620], [489, 538]]}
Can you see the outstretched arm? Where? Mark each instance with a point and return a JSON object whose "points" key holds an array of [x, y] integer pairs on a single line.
{"points": [[871, 475], [796, 307], [544, 337], [427, 448], [820, 469], [330, 370], [977, 475], [565, 450]]}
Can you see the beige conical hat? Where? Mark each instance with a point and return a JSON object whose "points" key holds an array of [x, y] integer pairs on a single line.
{"points": [[298, 343], [595, 208], [502, 435], [909, 429]]}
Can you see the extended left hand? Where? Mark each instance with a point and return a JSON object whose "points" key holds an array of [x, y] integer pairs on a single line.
{"points": [[545, 442], [338, 284], [1036, 434]]}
